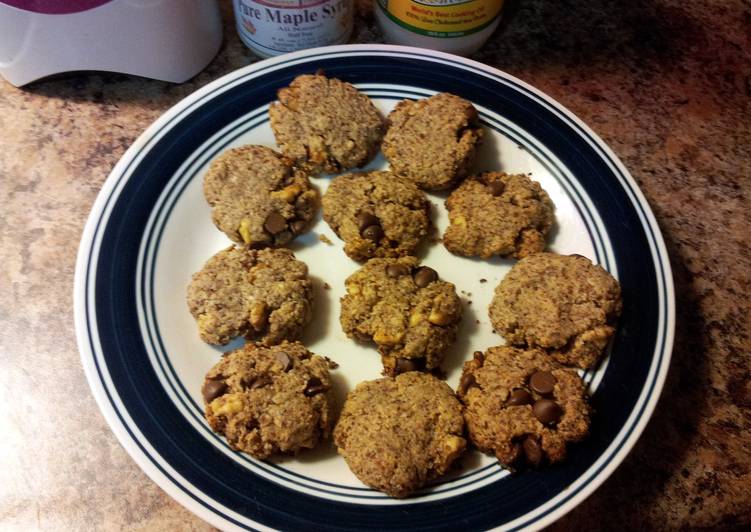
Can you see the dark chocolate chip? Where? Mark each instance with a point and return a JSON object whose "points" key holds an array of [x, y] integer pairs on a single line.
{"points": [[259, 381], [365, 220], [547, 412], [516, 452], [373, 233], [519, 397], [542, 382], [275, 223], [298, 226], [424, 276], [466, 382], [284, 359], [396, 270], [496, 188], [314, 386], [532, 450], [212, 389], [403, 365], [479, 356]]}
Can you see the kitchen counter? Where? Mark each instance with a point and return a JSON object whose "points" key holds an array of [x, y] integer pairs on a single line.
{"points": [[666, 83]]}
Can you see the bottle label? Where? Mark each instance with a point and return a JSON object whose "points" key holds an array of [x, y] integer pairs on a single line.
{"points": [[442, 18], [275, 27]]}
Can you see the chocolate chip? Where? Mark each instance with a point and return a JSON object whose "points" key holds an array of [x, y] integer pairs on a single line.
{"points": [[403, 365], [365, 220], [374, 233], [516, 452], [396, 270], [314, 386], [542, 382], [479, 356], [496, 188], [424, 276], [284, 359], [298, 226], [519, 397], [212, 389], [532, 450], [547, 412], [259, 381], [466, 382], [275, 223]]}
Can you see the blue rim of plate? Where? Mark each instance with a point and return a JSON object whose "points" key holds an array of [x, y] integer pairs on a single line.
{"points": [[186, 465]]}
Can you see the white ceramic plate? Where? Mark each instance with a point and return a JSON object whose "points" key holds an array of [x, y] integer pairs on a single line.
{"points": [[150, 229]]}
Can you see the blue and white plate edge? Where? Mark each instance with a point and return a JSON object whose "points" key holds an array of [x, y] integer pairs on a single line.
{"points": [[110, 187]]}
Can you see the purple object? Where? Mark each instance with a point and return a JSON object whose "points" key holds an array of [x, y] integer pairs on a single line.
{"points": [[55, 7]]}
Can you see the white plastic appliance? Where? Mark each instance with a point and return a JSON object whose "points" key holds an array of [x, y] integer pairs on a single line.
{"points": [[170, 40]]}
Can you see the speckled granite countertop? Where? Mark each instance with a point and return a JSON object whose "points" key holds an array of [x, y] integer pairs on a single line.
{"points": [[666, 83]]}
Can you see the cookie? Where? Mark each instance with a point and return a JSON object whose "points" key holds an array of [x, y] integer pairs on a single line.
{"points": [[522, 406], [377, 214], [498, 214], [264, 295], [257, 198], [563, 304], [325, 125], [410, 314], [270, 400], [398, 434], [432, 141]]}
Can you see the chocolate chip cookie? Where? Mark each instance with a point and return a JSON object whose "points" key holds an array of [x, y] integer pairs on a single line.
{"points": [[410, 314], [257, 198], [377, 214], [432, 141], [562, 304], [269, 400], [325, 125], [498, 214], [398, 434], [264, 295], [522, 406]]}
